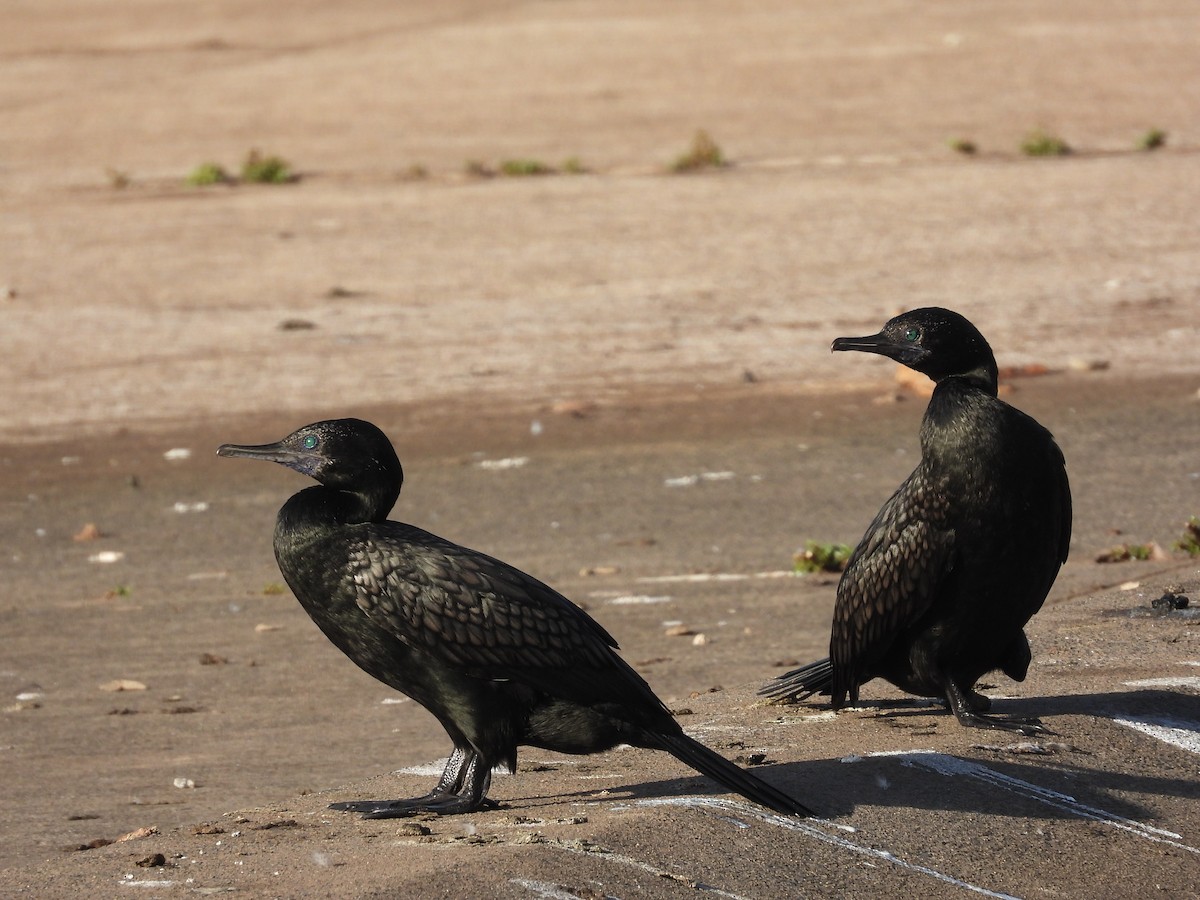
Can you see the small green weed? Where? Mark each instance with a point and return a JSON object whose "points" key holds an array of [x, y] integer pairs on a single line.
{"points": [[965, 146], [1040, 142], [1126, 552], [209, 173], [259, 169], [703, 154], [1152, 139], [1189, 543], [818, 557], [520, 168], [273, 589]]}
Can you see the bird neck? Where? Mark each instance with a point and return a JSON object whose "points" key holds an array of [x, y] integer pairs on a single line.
{"points": [[984, 377], [320, 506]]}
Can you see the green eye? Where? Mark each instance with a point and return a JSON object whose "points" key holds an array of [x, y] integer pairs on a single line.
{"points": [[913, 334], [310, 441]]}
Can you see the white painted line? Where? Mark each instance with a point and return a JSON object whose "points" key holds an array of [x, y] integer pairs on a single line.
{"points": [[593, 850], [806, 826], [953, 766], [1177, 732], [1189, 681], [437, 767], [544, 889]]}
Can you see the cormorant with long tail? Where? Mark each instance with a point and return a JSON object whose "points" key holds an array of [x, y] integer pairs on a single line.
{"points": [[938, 591], [497, 656]]}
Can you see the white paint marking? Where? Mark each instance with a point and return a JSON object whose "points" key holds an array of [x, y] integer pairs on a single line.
{"points": [[588, 849], [689, 480], [1177, 732], [496, 465], [1189, 681], [953, 766], [544, 889], [436, 767], [803, 825]]}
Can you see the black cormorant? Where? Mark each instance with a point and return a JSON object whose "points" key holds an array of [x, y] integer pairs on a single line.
{"points": [[497, 656], [938, 591]]}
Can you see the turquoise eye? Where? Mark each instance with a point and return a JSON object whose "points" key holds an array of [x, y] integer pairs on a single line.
{"points": [[913, 334], [310, 441]]}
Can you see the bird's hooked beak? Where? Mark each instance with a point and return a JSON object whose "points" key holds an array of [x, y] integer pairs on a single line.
{"points": [[907, 353], [279, 452]]}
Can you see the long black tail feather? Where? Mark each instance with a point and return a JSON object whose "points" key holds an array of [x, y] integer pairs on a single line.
{"points": [[815, 678], [732, 776]]}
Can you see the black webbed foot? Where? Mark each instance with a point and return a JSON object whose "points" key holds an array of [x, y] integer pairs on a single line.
{"points": [[1027, 727], [447, 805], [461, 789], [968, 708]]}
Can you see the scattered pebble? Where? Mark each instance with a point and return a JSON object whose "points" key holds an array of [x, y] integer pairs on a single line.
{"points": [[598, 570], [105, 557], [122, 684], [154, 860], [262, 627], [138, 834], [211, 659], [88, 532], [576, 408], [277, 823], [182, 508], [678, 631], [413, 829], [177, 453], [699, 640], [184, 784]]}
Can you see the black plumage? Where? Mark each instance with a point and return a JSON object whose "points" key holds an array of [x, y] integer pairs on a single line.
{"points": [[962, 555], [497, 656]]}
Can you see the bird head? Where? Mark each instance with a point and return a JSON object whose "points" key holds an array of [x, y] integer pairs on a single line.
{"points": [[937, 342], [345, 454]]}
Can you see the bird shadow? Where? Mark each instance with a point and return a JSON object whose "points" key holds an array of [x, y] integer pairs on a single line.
{"points": [[1047, 776]]}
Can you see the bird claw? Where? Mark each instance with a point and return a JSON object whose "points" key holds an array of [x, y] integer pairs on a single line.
{"points": [[1027, 727], [442, 805]]}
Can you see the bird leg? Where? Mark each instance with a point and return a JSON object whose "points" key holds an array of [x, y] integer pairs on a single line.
{"points": [[462, 788], [967, 708]]}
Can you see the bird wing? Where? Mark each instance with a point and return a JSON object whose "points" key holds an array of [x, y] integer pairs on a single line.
{"points": [[890, 581], [1064, 505], [468, 609]]}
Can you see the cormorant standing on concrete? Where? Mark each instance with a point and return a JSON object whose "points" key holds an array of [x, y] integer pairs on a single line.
{"points": [[498, 657], [938, 591]]}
